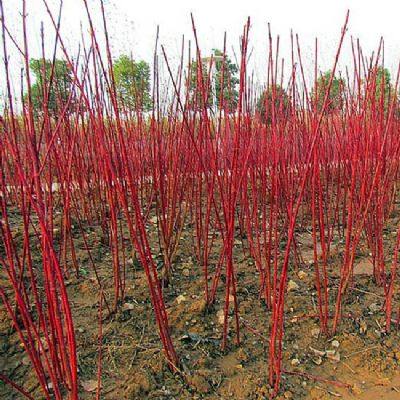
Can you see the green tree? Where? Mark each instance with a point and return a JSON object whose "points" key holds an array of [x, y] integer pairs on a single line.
{"points": [[220, 88], [199, 87], [336, 93], [379, 87], [52, 83], [273, 100], [225, 81], [132, 81]]}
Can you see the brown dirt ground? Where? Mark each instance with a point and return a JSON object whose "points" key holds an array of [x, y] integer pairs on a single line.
{"points": [[133, 363]]}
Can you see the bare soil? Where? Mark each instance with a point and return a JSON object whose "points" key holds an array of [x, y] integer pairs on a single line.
{"points": [[360, 354]]}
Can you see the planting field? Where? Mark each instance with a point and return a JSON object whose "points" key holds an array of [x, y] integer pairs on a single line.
{"points": [[199, 236], [133, 363]]}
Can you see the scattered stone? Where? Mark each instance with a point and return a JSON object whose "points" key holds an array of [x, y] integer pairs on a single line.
{"points": [[128, 306], [292, 285], [315, 332], [180, 299], [288, 394], [374, 308], [318, 352], [335, 343], [302, 275], [333, 355], [198, 307], [317, 360], [295, 362], [90, 385], [186, 272], [220, 316], [364, 267]]}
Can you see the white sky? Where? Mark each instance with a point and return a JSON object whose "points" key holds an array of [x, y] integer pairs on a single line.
{"points": [[133, 26]]}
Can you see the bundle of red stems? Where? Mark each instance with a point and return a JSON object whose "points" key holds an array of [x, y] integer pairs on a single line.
{"points": [[222, 175]]}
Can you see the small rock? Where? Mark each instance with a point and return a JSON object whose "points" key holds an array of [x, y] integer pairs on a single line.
{"points": [[315, 332], [302, 275], [318, 352], [128, 306], [317, 360], [220, 316], [198, 307], [292, 285], [374, 308], [90, 385], [295, 362], [185, 272], [333, 355], [335, 344], [180, 299], [288, 394]]}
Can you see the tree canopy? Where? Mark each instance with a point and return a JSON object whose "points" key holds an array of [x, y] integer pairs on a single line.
{"points": [[220, 87], [226, 81], [52, 83], [379, 87], [335, 96], [273, 99], [199, 87], [132, 81]]}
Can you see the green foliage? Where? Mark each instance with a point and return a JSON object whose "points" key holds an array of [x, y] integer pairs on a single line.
{"points": [[335, 97], [380, 88], [273, 100], [132, 81], [55, 86], [199, 80], [220, 88], [226, 82]]}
